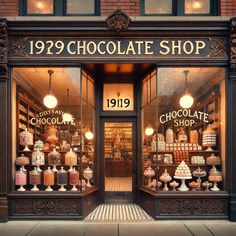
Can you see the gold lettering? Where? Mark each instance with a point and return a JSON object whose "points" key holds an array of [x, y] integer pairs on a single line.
{"points": [[178, 47], [199, 45], [164, 45], [148, 45], [185, 45], [69, 47], [119, 48], [83, 47], [99, 47], [89, 50], [130, 48], [139, 43], [111, 51]]}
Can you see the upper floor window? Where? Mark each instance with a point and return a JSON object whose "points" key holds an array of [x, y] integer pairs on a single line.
{"points": [[58, 7], [179, 7]]}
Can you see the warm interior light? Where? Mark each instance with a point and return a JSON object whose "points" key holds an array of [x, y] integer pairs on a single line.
{"points": [[67, 117], [186, 101], [149, 130], [50, 101], [40, 5], [197, 5], [89, 135]]}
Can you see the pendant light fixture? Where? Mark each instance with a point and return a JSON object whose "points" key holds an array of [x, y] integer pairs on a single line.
{"points": [[149, 130], [67, 117], [50, 101], [88, 134], [186, 100]]}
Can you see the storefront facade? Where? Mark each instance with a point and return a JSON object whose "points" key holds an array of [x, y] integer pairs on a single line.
{"points": [[121, 79]]}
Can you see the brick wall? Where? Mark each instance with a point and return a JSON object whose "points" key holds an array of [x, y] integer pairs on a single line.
{"points": [[228, 7], [130, 7], [8, 8]]}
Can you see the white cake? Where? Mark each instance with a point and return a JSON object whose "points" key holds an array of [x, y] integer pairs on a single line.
{"points": [[182, 171]]}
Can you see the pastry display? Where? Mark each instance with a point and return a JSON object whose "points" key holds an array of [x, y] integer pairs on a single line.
{"points": [[74, 179], [149, 173], [54, 159], [174, 185], [182, 137], [48, 179], [39, 145], [88, 174], [195, 185], [165, 177], [215, 176], [22, 161], [199, 173], [213, 161], [70, 159], [38, 159], [26, 139], [180, 156], [183, 172], [197, 160], [35, 179], [209, 138], [62, 179], [207, 185], [20, 179], [168, 159]]}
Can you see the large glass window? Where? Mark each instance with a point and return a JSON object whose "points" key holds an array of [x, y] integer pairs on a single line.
{"points": [[40, 6], [75, 7], [158, 7], [197, 7], [53, 129], [184, 130]]}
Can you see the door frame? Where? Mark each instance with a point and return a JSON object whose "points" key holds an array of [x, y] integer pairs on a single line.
{"points": [[133, 120]]}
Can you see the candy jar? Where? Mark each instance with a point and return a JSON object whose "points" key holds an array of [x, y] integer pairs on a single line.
{"points": [[74, 179], [26, 139], [20, 179], [88, 174], [149, 173], [54, 159], [71, 159], [48, 179], [215, 176], [174, 185], [22, 161], [165, 177], [169, 135], [38, 159], [207, 185], [199, 173], [193, 134], [39, 145], [209, 138], [35, 179], [62, 179], [52, 136]]}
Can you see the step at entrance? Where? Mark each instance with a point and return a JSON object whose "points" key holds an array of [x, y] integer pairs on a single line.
{"points": [[118, 213]]}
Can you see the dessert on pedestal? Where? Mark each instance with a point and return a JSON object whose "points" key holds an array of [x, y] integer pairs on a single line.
{"points": [[209, 138], [183, 172], [88, 174], [62, 179], [215, 176], [20, 179], [174, 185], [38, 159], [165, 177], [54, 159], [199, 173], [26, 139], [70, 159], [49, 179], [35, 179], [74, 179], [22, 161], [149, 173]]}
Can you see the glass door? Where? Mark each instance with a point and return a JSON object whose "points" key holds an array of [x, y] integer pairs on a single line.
{"points": [[118, 161]]}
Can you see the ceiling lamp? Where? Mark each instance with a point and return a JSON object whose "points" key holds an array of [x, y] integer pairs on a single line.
{"points": [[50, 101], [67, 117], [149, 130], [89, 135], [186, 100]]}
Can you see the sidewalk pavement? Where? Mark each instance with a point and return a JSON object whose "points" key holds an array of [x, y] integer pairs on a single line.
{"points": [[152, 228]]}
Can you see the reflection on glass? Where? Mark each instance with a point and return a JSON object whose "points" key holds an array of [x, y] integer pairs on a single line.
{"points": [[80, 7], [40, 6], [118, 156], [185, 138], [158, 7], [197, 6]]}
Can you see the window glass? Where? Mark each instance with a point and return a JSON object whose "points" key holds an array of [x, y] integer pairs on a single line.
{"points": [[197, 7], [40, 7], [80, 7], [53, 129], [184, 131], [158, 7]]}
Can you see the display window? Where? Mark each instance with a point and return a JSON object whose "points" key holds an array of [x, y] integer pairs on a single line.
{"points": [[53, 129], [183, 129]]}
